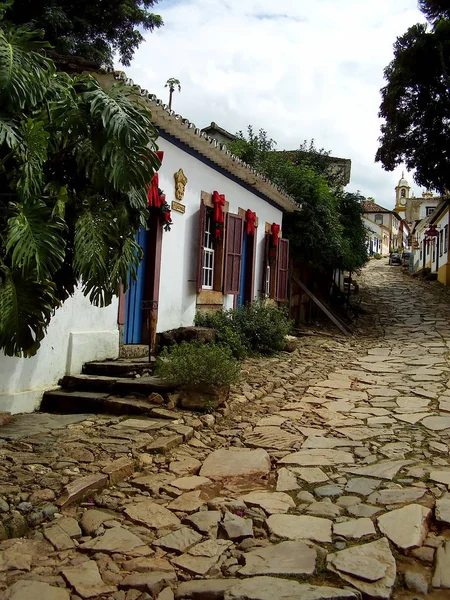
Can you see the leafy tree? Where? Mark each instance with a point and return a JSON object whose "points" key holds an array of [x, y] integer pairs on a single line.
{"points": [[320, 232], [75, 159], [172, 83], [94, 30], [416, 101]]}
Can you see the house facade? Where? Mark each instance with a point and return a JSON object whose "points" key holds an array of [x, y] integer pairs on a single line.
{"points": [[389, 232], [225, 247], [431, 243]]}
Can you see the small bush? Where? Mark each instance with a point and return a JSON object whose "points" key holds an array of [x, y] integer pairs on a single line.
{"points": [[259, 328], [377, 256], [199, 366]]}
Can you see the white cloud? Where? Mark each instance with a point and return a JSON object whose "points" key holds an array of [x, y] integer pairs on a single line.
{"points": [[299, 69]]}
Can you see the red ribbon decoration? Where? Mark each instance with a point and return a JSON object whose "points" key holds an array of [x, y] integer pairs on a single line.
{"points": [[275, 229], [219, 203], [251, 222], [153, 194]]}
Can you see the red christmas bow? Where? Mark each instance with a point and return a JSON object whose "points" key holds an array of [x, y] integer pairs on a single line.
{"points": [[219, 203], [275, 231], [153, 194], [251, 222]]}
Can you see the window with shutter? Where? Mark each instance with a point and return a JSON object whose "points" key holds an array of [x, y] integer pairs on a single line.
{"points": [[201, 247], [233, 253], [283, 270]]}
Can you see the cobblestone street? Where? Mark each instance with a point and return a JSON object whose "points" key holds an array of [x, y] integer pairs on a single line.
{"points": [[325, 477]]}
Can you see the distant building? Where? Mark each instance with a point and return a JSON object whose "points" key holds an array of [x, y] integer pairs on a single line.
{"points": [[388, 229]]}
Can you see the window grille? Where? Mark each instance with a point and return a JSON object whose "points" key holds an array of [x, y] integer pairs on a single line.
{"points": [[208, 254]]}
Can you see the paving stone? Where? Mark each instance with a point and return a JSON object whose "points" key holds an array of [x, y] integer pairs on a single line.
{"points": [[293, 527], [395, 450], [363, 510], [270, 502], [362, 485], [236, 527], [406, 527], [151, 514], [286, 480], [34, 590], [190, 502], [81, 487], [363, 433], [412, 418], [269, 588], [412, 402], [86, 580], [441, 576], [285, 558], [165, 443], [424, 554], [119, 469], [148, 582], [354, 529], [441, 477], [318, 457], [324, 509], [141, 424], [273, 420], [205, 589], [271, 437], [437, 423], [222, 464], [117, 540], [328, 442], [179, 540], [384, 469], [92, 519], [310, 474], [370, 568], [192, 482], [206, 521], [58, 537], [185, 466], [328, 491], [442, 510], [416, 582], [396, 496]]}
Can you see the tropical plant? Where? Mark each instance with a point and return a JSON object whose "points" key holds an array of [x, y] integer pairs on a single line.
{"points": [[415, 102], [206, 367], [75, 159], [172, 83], [94, 30]]}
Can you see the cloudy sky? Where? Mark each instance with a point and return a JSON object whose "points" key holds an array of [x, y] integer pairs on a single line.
{"points": [[299, 69]]}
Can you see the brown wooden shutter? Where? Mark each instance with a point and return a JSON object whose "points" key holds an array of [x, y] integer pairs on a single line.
{"points": [[283, 269], [265, 264], [201, 238], [233, 253]]}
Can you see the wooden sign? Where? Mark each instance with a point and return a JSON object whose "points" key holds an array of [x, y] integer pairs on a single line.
{"points": [[178, 207]]}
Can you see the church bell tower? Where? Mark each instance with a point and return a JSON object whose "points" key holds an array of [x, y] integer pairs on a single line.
{"points": [[402, 193]]}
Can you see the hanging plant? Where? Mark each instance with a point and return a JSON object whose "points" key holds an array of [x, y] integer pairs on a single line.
{"points": [[164, 211]]}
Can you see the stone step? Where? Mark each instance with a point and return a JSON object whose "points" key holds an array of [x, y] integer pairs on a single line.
{"points": [[79, 402], [120, 368], [118, 386]]}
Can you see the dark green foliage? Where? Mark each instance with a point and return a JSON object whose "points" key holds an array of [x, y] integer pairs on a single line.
{"points": [[327, 231], [74, 162], [258, 328], [416, 101], [198, 365], [94, 30]]}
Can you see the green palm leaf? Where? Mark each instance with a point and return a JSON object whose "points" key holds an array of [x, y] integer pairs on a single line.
{"points": [[35, 239], [26, 307]]}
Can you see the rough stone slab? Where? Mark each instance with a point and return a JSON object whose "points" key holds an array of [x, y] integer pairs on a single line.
{"points": [[384, 469], [441, 477], [190, 483], [236, 527], [222, 464], [81, 487], [190, 502], [151, 514], [362, 486], [195, 565], [58, 537], [152, 582], [165, 443], [141, 424], [412, 418], [396, 496], [180, 540], [119, 469], [274, 588], [185, 466], [363, 510], [92, 519], [34, 590], [437, 423], [370, 568], [406, 527], [310, 474], [354, 529], [205, 521], [271, 502], [293, 527], [328, 442], [117, 539], [86, 580], [441, 577], [443, 510], [286, 480], [206, 589], [271, 437], [285, 558], [360, 434], [318, 457]]}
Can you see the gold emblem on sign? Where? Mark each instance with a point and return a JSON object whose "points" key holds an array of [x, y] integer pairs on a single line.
{"points": [[180, 184]]}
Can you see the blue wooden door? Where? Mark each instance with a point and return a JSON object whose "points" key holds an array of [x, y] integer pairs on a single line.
{"points": [[134, 314], [241, 297]]}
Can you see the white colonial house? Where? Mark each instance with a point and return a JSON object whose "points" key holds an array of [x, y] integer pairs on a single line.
{"points": [[225, 248]]}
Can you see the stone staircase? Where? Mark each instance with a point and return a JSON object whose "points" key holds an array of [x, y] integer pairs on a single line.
{"points": [[119, 387]]}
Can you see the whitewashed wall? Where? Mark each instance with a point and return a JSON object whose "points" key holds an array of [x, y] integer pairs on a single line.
{"points": [[177, 298], [77, 333]]}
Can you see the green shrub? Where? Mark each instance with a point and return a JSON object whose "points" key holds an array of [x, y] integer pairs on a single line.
{"points": [[259, 328], [197, 365], [377, 256]]}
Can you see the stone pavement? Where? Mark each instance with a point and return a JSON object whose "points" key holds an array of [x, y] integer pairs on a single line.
{"points": [[326, 477]]}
